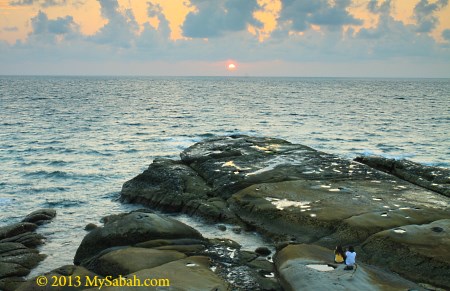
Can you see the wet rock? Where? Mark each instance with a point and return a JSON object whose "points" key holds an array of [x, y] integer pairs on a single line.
{"points": [[166, 184], [129, 229], [434, 178], [415, 251], [191, 273], [17, 254], [263, 251], [66, 274], [28, 239], [16, 229], [237, 229], [129, 260], [40, 216], [90, 226], [11, 283], [221, 227], [168, 242]]}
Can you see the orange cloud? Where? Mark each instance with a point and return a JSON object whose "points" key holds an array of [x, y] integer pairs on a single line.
{"points": [[267, 15]]}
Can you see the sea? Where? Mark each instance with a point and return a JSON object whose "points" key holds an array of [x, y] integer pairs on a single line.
{"points": [[69, 143]]}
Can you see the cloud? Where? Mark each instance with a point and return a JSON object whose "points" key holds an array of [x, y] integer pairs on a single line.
{"points": [[214, 18], [47, 30], [446, 34], [424, 14], [23, 2], [303, 13], [44, 4], [121, 29], [11, 28]]}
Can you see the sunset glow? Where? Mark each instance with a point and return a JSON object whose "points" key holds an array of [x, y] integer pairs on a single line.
{"points": [[364, 36]]}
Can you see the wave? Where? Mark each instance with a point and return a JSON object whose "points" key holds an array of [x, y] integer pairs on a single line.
{"points": [[64, 203], [49, 189]]}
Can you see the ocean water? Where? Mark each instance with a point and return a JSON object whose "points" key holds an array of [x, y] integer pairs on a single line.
{"points": [[71, 142]]}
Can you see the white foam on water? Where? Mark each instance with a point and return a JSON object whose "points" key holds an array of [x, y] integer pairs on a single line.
{"points": [[334, 190]]}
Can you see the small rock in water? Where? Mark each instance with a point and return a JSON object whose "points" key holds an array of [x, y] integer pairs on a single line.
{"points": [[40, 216], [221, 227], [263, 251], [237, 229]]}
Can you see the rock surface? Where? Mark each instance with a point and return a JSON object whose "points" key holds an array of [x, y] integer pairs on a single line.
{"points": [[434, 178], [292, 193], [309, 267], [60, 280], [18, 255], [412, 247], [130, 229]]}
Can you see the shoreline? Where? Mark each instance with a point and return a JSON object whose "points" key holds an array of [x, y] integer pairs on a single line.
{"points": [[205, 184]]}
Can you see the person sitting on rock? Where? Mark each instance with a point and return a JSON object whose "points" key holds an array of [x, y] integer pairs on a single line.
{"points": [[339, 255], [350, 258]]}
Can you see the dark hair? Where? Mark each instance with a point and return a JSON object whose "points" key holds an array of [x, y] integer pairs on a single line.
{"points": [[339, 249], [351, 249]]}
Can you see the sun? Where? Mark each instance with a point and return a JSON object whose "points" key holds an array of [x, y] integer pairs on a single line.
{"points": [[231, 67]]}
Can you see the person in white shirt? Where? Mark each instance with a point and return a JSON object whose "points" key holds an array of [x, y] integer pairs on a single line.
{"points": [[350, 259]]}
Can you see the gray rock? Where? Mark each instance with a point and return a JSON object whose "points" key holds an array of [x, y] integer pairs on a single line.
{"points": [[66, 274], [191, 273], [16, 229], [90, 226], [129, 260], [166, 184], [298, 266], [414, 251], [290, 192], [11, 283], [28, 239], [16, 253], [129, 229], [433, 178], [40, 216], [263, 251]]}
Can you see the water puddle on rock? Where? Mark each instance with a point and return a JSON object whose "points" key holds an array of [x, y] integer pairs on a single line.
{"points": [[283, 203], [249, 241], [322, 268]]}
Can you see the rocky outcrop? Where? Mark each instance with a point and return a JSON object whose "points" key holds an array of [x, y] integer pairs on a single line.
{"points": [[410, 248], [433, 178], [18, 255], [65, 278], [143, 244], [129, 229], [310, 267], [290, 193]]}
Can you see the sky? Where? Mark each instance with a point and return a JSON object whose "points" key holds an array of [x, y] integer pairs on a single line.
{"points": [[307, 38]]}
